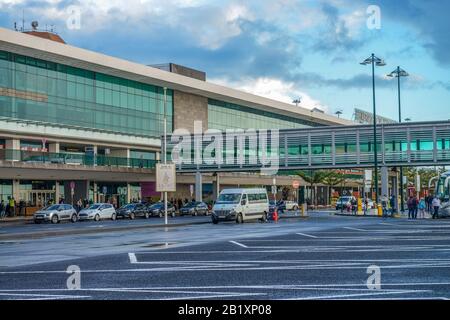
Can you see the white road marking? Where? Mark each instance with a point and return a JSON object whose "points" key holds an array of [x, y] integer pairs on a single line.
{"points": [[132, 257], [239, 244], [46, 296], [306, 235], [354, 229], [375, 293]]}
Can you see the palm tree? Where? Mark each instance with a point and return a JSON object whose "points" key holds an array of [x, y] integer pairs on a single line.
{"points": [[314, 178], [333, 179]]}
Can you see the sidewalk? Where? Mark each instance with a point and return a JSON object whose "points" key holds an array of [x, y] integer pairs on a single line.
{"points": [[16, 220]]}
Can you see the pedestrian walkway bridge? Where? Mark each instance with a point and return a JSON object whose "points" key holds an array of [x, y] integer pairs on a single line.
{"points": [[405, 144]]}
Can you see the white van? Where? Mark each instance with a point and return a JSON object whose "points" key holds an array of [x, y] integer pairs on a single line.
{"points": [[241, 205]]}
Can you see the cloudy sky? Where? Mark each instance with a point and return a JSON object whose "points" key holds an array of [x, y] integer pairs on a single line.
{"points": [[282, 49]]}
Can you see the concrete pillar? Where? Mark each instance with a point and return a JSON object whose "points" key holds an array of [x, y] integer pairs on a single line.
{"points": [[384, 181], [198, 186], [16, 190], [395, 191], [95, 197], [57, 195], [53, 147], [128, 193], [12, 144], [216, 187]]}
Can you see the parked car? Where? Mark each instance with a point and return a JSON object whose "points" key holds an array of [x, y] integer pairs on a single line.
{"points": [[56, 213], [157, 209], [98, 211], [284, 205], [344, 202], [194, 208], [132, 210], [241, 205]]}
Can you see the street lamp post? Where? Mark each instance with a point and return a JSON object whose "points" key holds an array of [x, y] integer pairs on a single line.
{"points": [[165, 151], [374, 61], [398, 73]]}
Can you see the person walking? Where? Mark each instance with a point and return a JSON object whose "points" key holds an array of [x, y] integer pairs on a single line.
{"points": [[422, 208], [79, 205], [366, 205], [410, 207], [415, 205], [384, 205], [392, 204], [436, 205], [12, 207], [430, 204], [2, 209], [354, 204]]}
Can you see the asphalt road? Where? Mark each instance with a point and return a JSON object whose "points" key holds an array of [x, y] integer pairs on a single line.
{"points": [[323, 257]]}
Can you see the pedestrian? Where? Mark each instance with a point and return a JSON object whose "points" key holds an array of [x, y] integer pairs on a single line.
{"points": [[12, 206], [410, 208], [392, 204], [415, 205], [2, 209], [422, 208], [430, 204], [436, 205], [384, 205], [366, 205], [79, 205], [180, 203], [354, 205]]}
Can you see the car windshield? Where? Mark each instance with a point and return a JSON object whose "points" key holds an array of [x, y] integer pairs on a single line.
{"points": [[272, 202], [53, 207], [94, 206], [229, 198], [344, 199], [128, 206], [158, 205]]}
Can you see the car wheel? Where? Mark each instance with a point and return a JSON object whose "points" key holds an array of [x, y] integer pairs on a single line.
{"points": [[160, 214], [132, 216], [214, 220], [73, 218], [295, 208], [195, 213], [146, 215], [97, 217], [239, 218], [173, 214], [55, 218], [113, 217]]}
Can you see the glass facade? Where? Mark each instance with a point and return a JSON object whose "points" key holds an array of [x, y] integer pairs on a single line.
{"points": [[224, 115], [33, 89]]}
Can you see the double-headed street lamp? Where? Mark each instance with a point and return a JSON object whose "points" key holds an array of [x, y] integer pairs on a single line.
{"points": [[398, 73], [374, 61]]}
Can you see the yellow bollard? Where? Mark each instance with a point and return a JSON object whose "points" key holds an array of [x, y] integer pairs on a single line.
{"points": [[380, 210], [360, 207]]}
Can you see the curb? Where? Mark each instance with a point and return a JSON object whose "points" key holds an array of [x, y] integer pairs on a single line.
{"points": [[362, 216], [37, 235]]}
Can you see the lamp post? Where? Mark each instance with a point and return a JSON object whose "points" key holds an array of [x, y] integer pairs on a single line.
{"points": [[165, 151], [374, 61], [398, 73], [297, 101]]}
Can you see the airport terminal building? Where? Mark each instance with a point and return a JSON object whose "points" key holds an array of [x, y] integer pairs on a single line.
{"points": [[79, 124]]}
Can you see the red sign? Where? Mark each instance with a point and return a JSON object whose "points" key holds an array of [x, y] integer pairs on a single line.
{"points": [[295, 184]]}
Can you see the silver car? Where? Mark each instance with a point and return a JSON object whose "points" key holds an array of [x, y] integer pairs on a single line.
{"points": [[98, 211], [56, 213]]}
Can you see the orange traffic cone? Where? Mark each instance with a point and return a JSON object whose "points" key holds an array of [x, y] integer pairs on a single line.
{"points": [[275, 215]]}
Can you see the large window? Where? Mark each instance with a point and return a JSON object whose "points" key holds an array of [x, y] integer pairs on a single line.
{"points": [[223, 115], [55, 93]]}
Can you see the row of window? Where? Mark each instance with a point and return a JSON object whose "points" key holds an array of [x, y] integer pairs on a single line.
{"points": [[83, 98], [223, 115]]}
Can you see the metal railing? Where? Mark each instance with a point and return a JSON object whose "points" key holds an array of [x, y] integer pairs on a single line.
{"points": [[74, 159]]}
